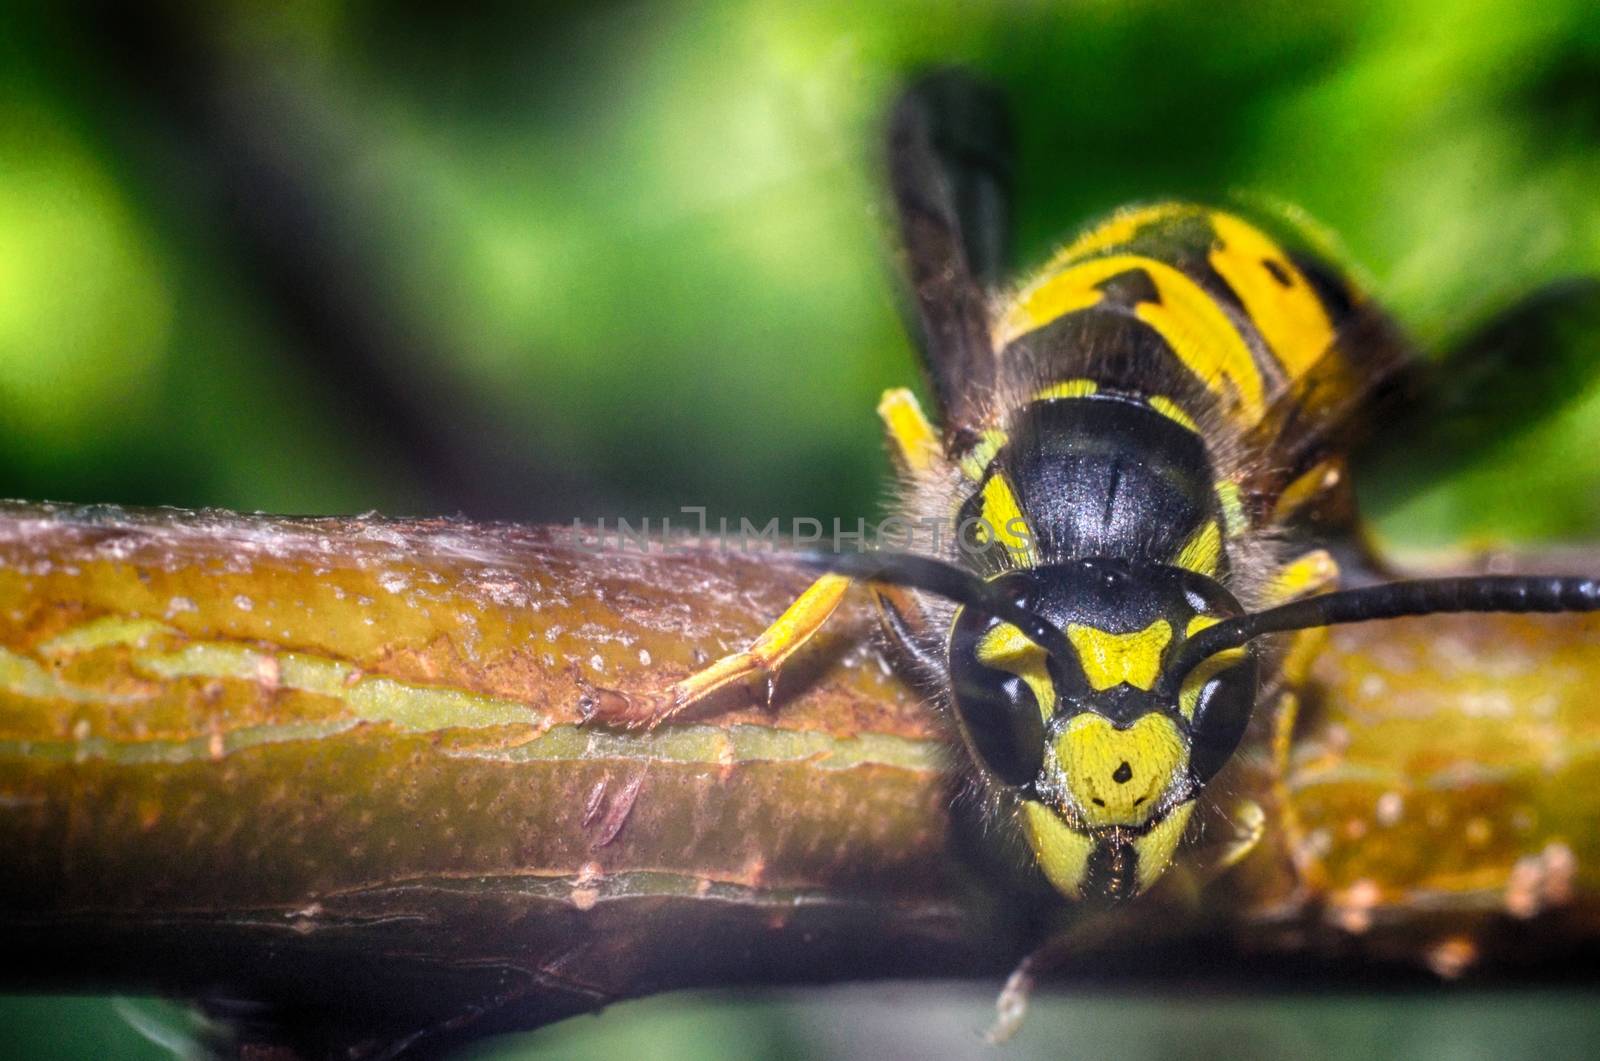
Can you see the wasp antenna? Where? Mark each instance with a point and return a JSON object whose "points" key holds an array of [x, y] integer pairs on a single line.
{"points": [[948, 581], [1394, 600]]}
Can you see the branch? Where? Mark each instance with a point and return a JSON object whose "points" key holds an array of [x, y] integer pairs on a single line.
{"points": [[330, 775]]}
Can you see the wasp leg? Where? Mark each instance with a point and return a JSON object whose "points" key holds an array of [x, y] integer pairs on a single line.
{"points": [[912, 439], [915, 446], [1307, 574], [908, 630], [1250, 825], [1246, 826], [1011, 1006], [1511, 373], [1307, 863], [1319, 496], [765, 655]]}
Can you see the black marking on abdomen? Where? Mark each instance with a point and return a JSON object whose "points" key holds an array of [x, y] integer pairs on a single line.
{"points": [[1111, 496]]}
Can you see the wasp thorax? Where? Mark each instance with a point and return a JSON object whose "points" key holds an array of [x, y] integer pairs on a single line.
{"points": [[1105, 750]]}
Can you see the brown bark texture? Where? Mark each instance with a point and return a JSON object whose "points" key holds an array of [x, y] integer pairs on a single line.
{"points": [[333, 776]]}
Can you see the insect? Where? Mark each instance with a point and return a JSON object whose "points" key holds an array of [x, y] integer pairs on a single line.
{"points": [[1140, 458]]}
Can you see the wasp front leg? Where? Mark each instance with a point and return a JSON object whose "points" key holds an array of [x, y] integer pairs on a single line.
{"points": [[915, 447], [762, 658], [915, 450]]}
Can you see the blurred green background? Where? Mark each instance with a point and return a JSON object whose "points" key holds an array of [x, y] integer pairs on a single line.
{"points": [[602, 259]]}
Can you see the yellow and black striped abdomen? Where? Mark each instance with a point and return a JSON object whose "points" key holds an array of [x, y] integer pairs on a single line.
{"points": [[1166, 375], [1183, 303]]}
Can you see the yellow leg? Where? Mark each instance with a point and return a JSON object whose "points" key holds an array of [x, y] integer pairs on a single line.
{"points": [[765, 655], [1308, 574], [1310, 489], [1249, 826], [912, 439], [1306, 862], [916, 449]]}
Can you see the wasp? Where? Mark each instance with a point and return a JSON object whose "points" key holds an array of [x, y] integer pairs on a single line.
{"points": [[1141, 456]]}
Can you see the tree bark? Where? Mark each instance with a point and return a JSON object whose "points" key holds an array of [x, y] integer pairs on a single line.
{"points": [[332, 776]]}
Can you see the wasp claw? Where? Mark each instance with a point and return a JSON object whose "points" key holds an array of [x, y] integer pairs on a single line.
{"points": [[663, 709], [608, 707], [1010, 1008], [1250, 825]]}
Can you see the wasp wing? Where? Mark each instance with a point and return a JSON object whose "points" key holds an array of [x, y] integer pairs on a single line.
{"points": [[1403, 420], [1522, 366], [949, 148]]}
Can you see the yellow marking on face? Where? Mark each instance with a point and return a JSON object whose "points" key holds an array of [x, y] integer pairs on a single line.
{"points": [[977, 459], [1155, 848], [911, 437], [1110, 659], [1190, 320], [1172, 411], [1003, 517], [1303, 576], [1117, 230], [1202, 553], [1280, 301], [1118, 776], [1004, 648], [1210, 667], [1072, 388], [1062, 852], [1232, 507]]}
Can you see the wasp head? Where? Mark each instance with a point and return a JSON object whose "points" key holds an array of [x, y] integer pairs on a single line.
{"points": [[1104, 747]]}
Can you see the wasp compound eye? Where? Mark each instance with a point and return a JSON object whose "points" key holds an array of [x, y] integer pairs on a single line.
{"points": [[1218, 696], [1003, 689]]}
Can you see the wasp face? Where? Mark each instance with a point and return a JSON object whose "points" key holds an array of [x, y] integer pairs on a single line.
{"points": [[1105, 757]]}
